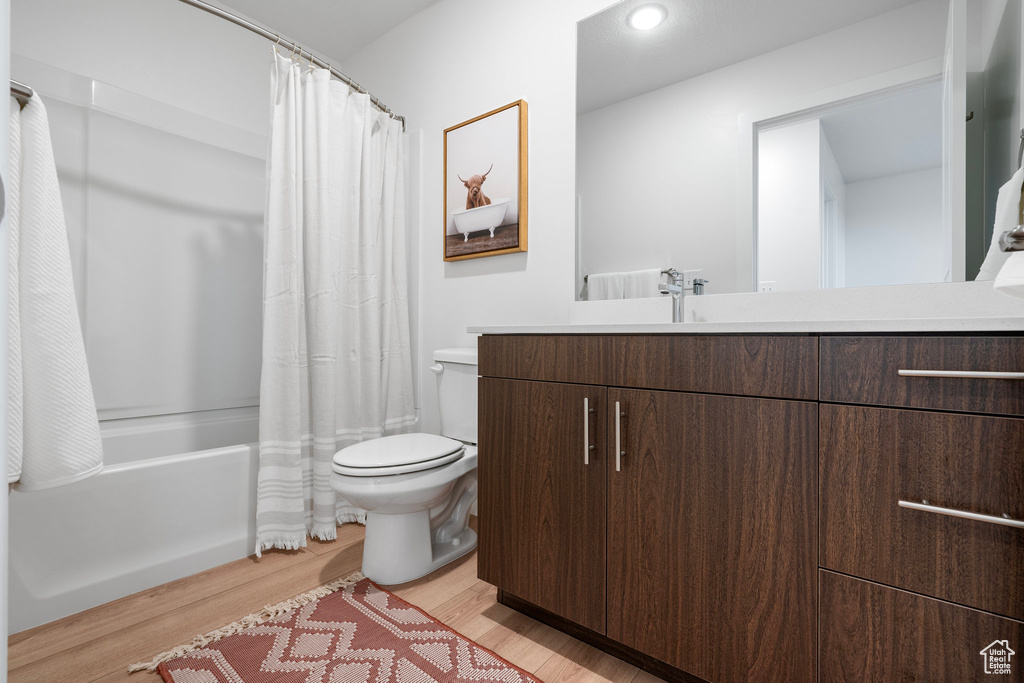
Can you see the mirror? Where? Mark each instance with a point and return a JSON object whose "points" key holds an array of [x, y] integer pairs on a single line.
{"points": [[798, 144]]}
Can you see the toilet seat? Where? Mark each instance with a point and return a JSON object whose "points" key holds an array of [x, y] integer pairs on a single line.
{"points": [[398, 454]]}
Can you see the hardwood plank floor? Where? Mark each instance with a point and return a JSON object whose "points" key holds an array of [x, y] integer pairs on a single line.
{"points": [[99, 644]]}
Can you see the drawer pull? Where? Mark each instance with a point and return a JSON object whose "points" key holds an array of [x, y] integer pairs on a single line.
{"points": [[1005, 520], [962, 374], [618, 438], [586, 431]]}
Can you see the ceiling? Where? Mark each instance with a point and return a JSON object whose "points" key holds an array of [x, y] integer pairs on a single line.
{"points": [[887, 135], [616, 62], [335, 29]]}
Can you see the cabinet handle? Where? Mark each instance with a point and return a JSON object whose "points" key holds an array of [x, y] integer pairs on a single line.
{"points": [[587, 410], [925, 506], [618, 438], [962, 374]]}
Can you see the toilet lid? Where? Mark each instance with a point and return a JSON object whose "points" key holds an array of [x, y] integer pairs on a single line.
{"points": [[397, 454]]}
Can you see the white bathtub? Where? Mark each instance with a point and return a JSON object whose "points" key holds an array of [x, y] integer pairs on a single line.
{"points": [[133, 526], [486, 217]]}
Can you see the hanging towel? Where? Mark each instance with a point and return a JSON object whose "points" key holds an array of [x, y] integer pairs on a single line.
{"points": [[60, 431], [1007, 216], [641, 284], [1010, 280], [14, 420], [605, 286]]}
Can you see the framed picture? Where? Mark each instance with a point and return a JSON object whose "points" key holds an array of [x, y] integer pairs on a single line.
{"points": [[485, 183]]}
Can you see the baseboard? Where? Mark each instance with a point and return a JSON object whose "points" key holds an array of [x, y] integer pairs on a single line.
{"points": [[638, 659]]}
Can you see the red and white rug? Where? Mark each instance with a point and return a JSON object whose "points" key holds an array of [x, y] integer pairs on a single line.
{"points": [[358, 634]]}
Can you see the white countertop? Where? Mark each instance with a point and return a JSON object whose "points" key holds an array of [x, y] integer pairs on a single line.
{"points": [[947, 307], [771, 327]]}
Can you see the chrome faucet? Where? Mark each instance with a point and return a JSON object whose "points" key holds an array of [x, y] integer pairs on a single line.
{"points": [[674, 286]]}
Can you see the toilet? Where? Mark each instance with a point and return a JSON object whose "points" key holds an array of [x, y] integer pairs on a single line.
{"points": [[417, 489]]}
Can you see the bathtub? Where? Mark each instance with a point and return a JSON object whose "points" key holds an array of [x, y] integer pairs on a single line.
{"points": [[480, 218], [133, 526]]}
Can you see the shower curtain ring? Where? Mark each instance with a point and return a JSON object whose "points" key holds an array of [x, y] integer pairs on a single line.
{"points": [[277, 43]]}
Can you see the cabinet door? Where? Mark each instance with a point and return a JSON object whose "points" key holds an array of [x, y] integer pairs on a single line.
{"points": [[871, 632], [542, 495], [711, 533]]}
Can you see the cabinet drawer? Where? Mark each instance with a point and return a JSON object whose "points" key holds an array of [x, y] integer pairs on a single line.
{"points": [[749, 365], [870, 459], [869, 632], [868, 370]]}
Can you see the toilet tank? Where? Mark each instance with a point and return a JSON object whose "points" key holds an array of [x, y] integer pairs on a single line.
{"points": [[455, 371]]}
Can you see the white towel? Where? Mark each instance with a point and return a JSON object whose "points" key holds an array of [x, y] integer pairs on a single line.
{"points": [[61, 436], [1010, 280], [1007, 213], [14, 390], [641, 284], [605, 286]]}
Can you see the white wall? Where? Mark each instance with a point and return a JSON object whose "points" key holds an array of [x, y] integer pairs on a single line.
{"points": [[521, 50], [894, 230], [789, 206], [679, 143]]}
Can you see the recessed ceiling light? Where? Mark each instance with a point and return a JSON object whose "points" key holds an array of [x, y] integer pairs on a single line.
{"points": [[647, 17]]}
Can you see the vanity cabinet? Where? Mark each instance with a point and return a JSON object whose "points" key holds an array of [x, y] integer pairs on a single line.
{"points": [[655, 495], [761, 507]]}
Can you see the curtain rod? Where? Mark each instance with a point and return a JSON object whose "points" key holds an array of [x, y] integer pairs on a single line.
{"points": [[293, 47], [21, 92]]}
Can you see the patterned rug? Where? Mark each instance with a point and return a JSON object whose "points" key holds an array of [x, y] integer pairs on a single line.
{"points": [[356, 634]]}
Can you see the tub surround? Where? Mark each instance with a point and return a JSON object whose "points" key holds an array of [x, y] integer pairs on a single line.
{"points": [[727, 507]]}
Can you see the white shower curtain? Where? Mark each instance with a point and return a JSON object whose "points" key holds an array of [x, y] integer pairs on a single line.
{"points": [[336, 355]]}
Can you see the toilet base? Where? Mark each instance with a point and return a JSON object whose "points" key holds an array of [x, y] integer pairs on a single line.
{"points": [[404, 547], [398, 548]]}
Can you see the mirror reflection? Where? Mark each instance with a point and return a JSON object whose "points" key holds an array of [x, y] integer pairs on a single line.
{"points": [[795, 145]]}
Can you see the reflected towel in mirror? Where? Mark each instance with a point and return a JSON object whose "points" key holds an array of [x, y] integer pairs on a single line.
{"points": [[641, 284], [605, 286]]}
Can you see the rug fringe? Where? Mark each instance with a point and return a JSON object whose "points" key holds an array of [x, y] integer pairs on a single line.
{"points": [[255, 619]]}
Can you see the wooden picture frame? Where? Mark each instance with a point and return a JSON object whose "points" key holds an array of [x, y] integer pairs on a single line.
{"points": [[485, 185]]}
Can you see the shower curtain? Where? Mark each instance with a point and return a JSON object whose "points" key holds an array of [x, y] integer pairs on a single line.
{"points": [[336, 347]]}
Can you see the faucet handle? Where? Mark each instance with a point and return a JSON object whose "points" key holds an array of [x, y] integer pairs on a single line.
{"points": [[698, 285]]}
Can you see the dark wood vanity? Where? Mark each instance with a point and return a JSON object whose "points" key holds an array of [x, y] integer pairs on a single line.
{"points": [[727, 507]]}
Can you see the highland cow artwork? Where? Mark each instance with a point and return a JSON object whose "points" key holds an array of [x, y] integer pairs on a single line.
{"points": [[485, 184]]}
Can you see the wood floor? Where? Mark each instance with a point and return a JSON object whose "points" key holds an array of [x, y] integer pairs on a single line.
{"points": [[100, 643]]}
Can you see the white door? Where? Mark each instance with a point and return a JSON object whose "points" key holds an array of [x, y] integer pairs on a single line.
{"points": [[954, 141]]}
